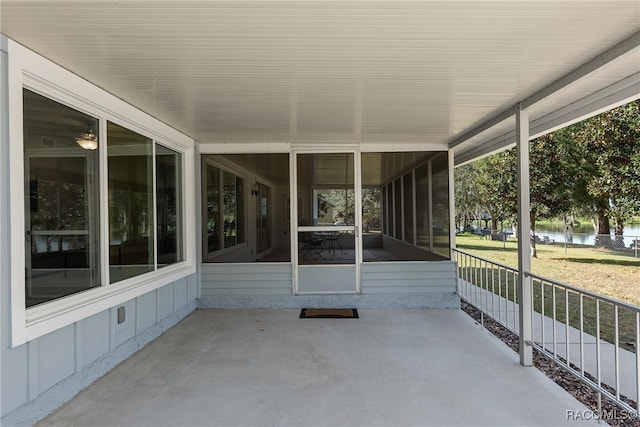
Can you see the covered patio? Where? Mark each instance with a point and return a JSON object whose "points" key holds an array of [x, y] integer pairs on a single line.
{"points": [[268, 368], [161, 151]]}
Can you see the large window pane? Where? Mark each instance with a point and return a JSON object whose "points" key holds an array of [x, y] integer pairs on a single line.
{"points": [[225, 209], [440, 189], [263, 218], [213, 209], [371, 210], [131, 212], [407, 188], [423, 228], [61, 206], [168, 206], [397, 196]]}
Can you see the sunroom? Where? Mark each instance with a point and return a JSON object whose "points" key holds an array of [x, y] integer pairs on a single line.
{"points": [[365, 228]]}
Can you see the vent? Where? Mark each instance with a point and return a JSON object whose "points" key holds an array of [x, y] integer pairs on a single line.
{"points": [[48, 142]]}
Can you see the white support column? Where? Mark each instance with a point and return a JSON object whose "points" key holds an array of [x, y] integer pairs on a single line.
{"points": [[524, 240]]}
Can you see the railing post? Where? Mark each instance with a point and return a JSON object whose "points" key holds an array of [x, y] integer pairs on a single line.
{"points": [[524, 227]]}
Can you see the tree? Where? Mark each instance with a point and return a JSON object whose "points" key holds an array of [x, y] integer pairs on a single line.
{"points": [[497, 185], [467, 197], [609, 157]]}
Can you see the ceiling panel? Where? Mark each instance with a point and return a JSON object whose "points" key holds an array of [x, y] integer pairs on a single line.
{"points": [[323, 71]]}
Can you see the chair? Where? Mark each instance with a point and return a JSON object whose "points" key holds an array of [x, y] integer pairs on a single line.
{"points": [[310, 243]]}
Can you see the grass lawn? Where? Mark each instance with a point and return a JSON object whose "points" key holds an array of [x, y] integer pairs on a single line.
{"points": [[606, 272], [602, 271]]}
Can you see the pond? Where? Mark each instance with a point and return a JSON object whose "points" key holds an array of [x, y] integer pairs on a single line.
{"points": [[584, 234]]}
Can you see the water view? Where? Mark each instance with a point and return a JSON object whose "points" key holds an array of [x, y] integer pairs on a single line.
{"points": [[583, 234]]}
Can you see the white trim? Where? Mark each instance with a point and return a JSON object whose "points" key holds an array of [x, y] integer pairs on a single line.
{"points": [[245, 148], [357, 184], [430, 201], [103, 202], [356, 229], [31, 71], [452, 206], [293, 219], [414, 197], [524, 228], [398, 147]]}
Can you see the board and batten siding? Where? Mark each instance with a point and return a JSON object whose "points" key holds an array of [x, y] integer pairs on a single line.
{"points": [[39, 376]]}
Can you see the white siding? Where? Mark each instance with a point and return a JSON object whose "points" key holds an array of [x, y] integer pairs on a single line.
{"points": [[409, 277], [246, 279]]}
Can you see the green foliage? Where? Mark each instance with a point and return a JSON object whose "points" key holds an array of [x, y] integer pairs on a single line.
{"points": [[590, 168], [610, 154]]}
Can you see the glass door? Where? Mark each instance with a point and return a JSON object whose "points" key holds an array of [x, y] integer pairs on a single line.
{"points": [[327, 217]]}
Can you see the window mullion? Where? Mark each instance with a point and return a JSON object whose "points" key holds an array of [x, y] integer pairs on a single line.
{"points": [[154, 209], [103, 202], [221, 208]]}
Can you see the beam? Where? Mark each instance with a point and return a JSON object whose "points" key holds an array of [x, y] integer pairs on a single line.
{"points": [[596, 63], [619, 93], [524, 295]]}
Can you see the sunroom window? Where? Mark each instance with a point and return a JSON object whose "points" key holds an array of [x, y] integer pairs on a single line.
{"points": [[224, 216]]}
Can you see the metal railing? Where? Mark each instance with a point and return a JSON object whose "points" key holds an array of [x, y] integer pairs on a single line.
{"points": [[593, 337]]}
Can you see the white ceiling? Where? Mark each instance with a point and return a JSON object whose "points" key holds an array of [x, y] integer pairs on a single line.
{"points": [[328, 71]]}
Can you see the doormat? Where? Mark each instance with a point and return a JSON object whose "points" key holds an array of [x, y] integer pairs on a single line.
{"points": [[329, 313]]}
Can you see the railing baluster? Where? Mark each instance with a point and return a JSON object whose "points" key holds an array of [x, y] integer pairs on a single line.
{"points": [[485, 277], [637, 343], [475, 281], [616, 352], [566, 326], [582, 335], [493, 293], [476, 270], [598, 367], [553, 301], [543, 342], [515, 300], [500, 290]]}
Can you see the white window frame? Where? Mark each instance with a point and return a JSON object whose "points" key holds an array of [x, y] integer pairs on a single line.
{"points": [[28, 70]]}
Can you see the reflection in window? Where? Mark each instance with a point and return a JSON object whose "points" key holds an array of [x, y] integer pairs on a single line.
{"points": [[441, 244], [61, 207], [371, 210], [168, 206], [333, 206], [385, 215], [397, 194], [407, 184], [224, 209], [131, 212], [263, 218], [415, 207], [423, 228]]}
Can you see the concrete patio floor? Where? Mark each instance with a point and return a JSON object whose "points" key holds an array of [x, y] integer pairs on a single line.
{"points": [[270, 368]]}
